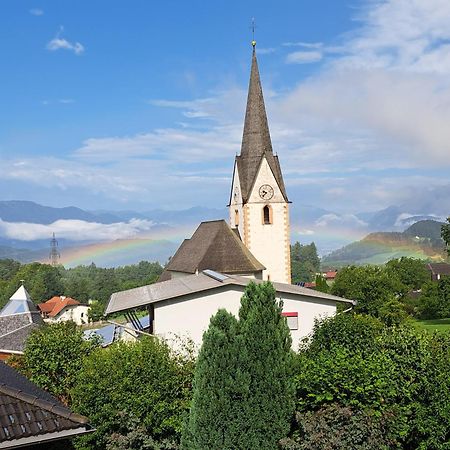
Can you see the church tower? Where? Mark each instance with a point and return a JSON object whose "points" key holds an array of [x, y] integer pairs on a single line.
{"points": [[259, 206]]}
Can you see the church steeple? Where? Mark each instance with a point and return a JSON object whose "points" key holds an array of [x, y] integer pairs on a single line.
{"points": [[259, 207], [256, 137], [256, 142]]}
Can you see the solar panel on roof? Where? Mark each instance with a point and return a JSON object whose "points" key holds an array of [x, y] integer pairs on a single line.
{"points": [[215, 275]]}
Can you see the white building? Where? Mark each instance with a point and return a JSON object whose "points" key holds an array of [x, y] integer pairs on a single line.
{"points": [[62, 309], [183, 306]]}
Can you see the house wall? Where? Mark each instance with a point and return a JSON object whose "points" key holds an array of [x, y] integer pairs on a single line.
{"points": [[76, 313], [189, 316]]}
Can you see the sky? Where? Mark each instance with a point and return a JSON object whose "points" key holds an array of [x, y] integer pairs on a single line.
{"points": [[137, 105]]}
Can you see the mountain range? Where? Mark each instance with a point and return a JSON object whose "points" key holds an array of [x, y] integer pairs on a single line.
{"points": [[112, 238], [421, 240]]}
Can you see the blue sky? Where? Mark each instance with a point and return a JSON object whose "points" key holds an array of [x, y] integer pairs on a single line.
{"points": [[139, 105]]}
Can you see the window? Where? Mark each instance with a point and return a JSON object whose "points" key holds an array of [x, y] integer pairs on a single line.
{"points": [[267, 215], [236, 217], [292, 319]]}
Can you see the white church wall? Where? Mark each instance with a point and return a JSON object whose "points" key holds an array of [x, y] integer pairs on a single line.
{"points": [[269, 243]]}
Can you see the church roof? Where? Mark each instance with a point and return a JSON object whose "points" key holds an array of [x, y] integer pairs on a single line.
{"points": [[256, 142], [214, 246]]}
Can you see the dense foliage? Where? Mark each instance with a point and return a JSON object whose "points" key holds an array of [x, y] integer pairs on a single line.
{"points": [[445, 234], [135, 395], [305, 262], [388, 381], [53, 357], [243, 391], [83, 283]]}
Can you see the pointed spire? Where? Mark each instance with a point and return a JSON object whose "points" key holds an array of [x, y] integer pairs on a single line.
{"points": [[256, 137]]}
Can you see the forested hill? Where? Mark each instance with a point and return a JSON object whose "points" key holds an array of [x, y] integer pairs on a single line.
{"points": [[421, 240]]}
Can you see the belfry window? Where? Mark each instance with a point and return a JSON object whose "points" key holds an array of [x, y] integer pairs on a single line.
{"points": [[267, 215]]}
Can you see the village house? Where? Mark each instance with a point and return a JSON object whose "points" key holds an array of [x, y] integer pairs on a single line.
{"points": [[62, 309]]}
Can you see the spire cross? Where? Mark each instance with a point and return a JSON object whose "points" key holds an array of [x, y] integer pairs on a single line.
{"points": [[253, 27]]}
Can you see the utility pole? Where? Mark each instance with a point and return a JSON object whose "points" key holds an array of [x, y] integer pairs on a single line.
{"points": [[54, 253]]}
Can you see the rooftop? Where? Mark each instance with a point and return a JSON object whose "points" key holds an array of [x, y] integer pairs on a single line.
{"points": [[204, 281]]}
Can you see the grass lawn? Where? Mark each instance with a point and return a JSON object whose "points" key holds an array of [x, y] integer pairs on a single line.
{"points": [[441, 325]]}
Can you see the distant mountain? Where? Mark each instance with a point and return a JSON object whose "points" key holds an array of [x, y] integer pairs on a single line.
{"points": [[30, 212], [393, 218], [421, 240]]}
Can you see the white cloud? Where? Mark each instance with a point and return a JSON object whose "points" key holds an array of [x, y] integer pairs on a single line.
{"points": [[303, 44], [36, 12], [75, 230], [303, 57], [347, 220], [58, 43], [266, 51]]}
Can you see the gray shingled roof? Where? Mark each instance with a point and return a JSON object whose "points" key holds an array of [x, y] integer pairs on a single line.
{"points": [[18, 319], [204, 281], [214, 246], [256, 142], [29, 415]]}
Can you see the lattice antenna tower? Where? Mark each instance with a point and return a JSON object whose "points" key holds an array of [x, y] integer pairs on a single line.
{"points": [[54, 253]]}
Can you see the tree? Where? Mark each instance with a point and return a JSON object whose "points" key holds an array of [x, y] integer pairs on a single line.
{"points": [[434, 301], [397, 374], [445, 233], [259, 403], [220, 387], [53, 357], [126, 384], [410, 271], [305, 262], [373, 287]]}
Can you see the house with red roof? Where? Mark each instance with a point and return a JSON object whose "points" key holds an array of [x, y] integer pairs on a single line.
{"points": [[61, 308]]}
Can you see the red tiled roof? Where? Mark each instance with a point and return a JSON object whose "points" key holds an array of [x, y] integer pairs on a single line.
{"points": [[330, 275], [55, 305]]}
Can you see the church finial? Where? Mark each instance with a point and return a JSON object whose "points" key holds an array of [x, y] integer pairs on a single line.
{"points": [[253, 33]]}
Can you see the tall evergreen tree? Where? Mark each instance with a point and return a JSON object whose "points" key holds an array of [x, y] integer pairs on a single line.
{"points": [[265, 354], [243, 389], [219, 388]]}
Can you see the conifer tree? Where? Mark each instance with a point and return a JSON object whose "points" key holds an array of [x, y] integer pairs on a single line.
{"points": [[243, 389], [218, 389], [265, 354]]}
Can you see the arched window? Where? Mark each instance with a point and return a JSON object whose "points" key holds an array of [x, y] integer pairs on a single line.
{"points": [[267, 215], [236, 217]]}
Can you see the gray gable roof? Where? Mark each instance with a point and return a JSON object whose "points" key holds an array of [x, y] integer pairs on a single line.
{"points": [[204, 281], [256, 142], [214, 246]]}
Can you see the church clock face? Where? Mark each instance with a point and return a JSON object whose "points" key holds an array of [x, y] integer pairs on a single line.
{"points": [[266, 191]]}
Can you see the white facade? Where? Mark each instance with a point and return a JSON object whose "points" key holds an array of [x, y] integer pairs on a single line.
{"points": [[75, 313], [268, 241], [189, 316]]}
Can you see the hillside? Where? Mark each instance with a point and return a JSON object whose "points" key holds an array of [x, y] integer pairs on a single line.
{"points": [[421, 240]]}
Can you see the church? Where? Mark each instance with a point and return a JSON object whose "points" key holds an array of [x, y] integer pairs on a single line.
{"points": [[210, 270], [257, 241]]}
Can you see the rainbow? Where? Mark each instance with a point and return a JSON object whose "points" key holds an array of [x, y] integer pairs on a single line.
{"points": [[145, 246]]}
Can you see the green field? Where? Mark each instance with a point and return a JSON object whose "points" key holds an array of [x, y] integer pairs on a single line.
{"points": [[441, 325]]}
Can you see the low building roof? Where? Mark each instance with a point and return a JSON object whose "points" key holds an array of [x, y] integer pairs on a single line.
{"points": [[29, 415], [18, 318], [214, 245], [204, 281], [439, 268], [56, 304]]}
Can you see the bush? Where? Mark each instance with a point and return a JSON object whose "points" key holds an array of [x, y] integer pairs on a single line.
{"points": [[125, 384], [54, 355]]}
